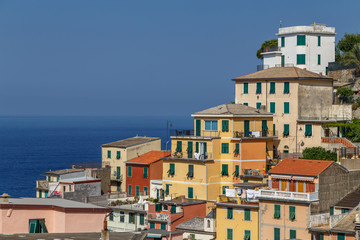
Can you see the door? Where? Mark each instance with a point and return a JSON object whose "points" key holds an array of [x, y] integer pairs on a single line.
{"points": [[246, 128], [203, 150], [283, 185]]}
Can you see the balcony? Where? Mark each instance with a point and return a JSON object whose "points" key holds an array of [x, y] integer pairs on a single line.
{"points": [[271, 49], [189, 133], [255, 134], [42, 184], [192, 156], [182, 132], [253, 173], [117, 178], [290, 196]]}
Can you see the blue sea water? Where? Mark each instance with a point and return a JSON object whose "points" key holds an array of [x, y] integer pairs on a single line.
{"points": [[31, 146]]}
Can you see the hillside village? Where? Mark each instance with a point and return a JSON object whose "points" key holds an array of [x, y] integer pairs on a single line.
{"points": [[240, 173]]}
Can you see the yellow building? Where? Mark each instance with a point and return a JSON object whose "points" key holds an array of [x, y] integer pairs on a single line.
{"points": [[230, 141], [115, 155], [300, 100]]}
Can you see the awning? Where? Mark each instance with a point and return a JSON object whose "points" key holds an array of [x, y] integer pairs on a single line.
{"points": [[309, 179], [285, 177], [154, 235]]}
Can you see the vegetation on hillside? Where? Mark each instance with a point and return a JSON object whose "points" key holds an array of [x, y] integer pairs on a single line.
{"points": [[319, 153], [268, 43]]}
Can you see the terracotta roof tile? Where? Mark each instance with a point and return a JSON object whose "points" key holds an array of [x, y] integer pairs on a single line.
{"points": [[283, 73], [150, 157], [306, 167]]}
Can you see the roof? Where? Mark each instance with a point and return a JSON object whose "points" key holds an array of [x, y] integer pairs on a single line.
{"points": [[80, 179], [347, 223], [303, 167], [130, 207], [232, 109], [194, 224], [149, 157], [250, 185], [183, 202], [351, 200], [160, 232], [130, 142], [74, 236], [282, 73], [64, 171], [212, 214]]}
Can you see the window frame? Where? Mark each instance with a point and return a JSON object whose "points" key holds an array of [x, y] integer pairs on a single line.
{"points": [[212, 126]]}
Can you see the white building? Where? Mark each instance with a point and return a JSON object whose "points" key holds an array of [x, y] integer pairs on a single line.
{"points": [[308, 47]]}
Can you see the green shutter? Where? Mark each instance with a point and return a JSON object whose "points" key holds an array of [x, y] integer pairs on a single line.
{"points": [[237, 148], [224, 147], [301, 40], [173, 209], [129, 191], [272, 87], [137, 191], [146, 191], [292, 234], [40, 194], [319, 41], [190, 192], [286, 87], [152, 225], [172, 169], [118, 154], [247, 235], [145, 172], [276, 211], [331, 211], [129, 171], [276, 233], [197, 147], [34, 225], [300, 59], [229, 234], [246, 128], [163, 226], [246, 104], [122, 217], [344, 210], [258, 105], [229, 213], [190, 149], [190, 173], [258, 88], [308, 130], [167, 189], [118, 172], [272, 107], [158, 207], [286, 107], [46, 194], [247, 214], [142, 219], [178, 146], [246, 88], [224, 170], [264, 128], [237, 171], [321, 236], [205, 150], [283, 60], [224, 189], [286, 130], [274, 128], [108, 154], [283, 41], [111, 216], [225, 125], [319, 59], [198, 127], [292, 212], [326, 71]]}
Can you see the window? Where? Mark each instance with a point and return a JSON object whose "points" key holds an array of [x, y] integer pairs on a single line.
{"points": [[292, 234], [49, 178], [129, 171], [211, 125], [118, 154], [286, 107], [225, 125], [292, 212], [229, 213], [258, 88], [344, 210], [224, 147], [145, 172], [319, 41], [224, 189], [247, 216], [283, 60], [272, 87], [246, 104], [237, 148], [178, 146], [172, 169], [190, 149], [70, 188], [286, 87], [224, 170], [300, 59], [246, 88], [274, 128], [286, 130], [321, 235], [229, 234], [142, 219], [308, 130], [190, 192], [272, 107], [129, 190], [326, 71], [340, 236], [283, 41], [108, 154], [158, 207], [276, 211], [167, 189], [118, 172], [237, 171], [276, 233], [190, 173], [163, 226], [122, 217], [37, 226], [301, 39], [319, 59], [131, 217], [258, 105], [137, 191], [40, 194], [152, 225], [173, 209], [46, 194], [111, 217], [247, 235], [146, 191]]}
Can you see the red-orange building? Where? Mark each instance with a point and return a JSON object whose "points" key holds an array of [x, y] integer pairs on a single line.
{"points": [[141, 170]]}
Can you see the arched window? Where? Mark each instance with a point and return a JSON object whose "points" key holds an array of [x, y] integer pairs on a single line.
{"points": [[208, 223]]}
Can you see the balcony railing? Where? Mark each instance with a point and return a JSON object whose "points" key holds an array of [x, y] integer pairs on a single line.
{"points": [[285, 195], [254, 172], [158, 216], [271, 49], [190, 133], [42, 184], [254, 134], [196, 156], [117, 177], [182, 132]]}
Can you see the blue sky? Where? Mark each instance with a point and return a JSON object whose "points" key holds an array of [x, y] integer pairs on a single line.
{"points": [[140, 57]]}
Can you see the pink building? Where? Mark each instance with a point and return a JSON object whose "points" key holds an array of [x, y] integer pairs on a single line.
{"points": [[53, 215]]}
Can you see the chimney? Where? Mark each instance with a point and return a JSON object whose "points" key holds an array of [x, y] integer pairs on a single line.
{"points": [[5, 198], [183, 199]]}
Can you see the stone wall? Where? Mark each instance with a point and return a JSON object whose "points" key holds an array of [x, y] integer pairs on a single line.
{"points": [[103, 174]]}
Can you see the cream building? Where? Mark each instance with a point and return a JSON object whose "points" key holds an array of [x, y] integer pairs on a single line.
{"points": [[115, 154], [300, 100]]}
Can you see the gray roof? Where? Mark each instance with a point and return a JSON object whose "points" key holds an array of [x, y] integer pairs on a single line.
{"points": [[130, 207], [249, 185], [57, 202], [74, 236], [351, 200], [79, 179], [347, 223], [162, 232], [187, 201], [64, 171], [194, 224], [212, 214], [232, 109], [130, 142]]}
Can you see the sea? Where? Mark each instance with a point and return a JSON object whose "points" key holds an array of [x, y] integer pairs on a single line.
{"points": [[31, 146]]}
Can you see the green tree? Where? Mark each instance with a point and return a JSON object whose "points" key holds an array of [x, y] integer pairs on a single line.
{"points": [[319, 153], [268, 43], [345, 45], [345, 94], [353, 56]]}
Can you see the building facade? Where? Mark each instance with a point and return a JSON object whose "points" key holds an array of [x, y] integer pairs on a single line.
{"points": [[128, 218]]}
